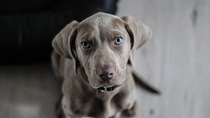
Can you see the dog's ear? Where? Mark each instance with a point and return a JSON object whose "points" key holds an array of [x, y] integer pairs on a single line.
{"points": [[138, 32], [63, 43]]}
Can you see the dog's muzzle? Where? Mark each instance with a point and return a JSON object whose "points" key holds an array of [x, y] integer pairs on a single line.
{"points": [[108, 88]]}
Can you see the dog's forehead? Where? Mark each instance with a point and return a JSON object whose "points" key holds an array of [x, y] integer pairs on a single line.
{"points": [[100, 22]]}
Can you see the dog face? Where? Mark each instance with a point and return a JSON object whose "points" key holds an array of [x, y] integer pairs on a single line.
{"points": [[103, 45], [102, 48]]}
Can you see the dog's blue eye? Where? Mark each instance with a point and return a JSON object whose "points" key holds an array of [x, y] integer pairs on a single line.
{"points": [[86, 44], [118, 41]]}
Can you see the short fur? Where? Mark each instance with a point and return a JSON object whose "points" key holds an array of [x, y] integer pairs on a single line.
{"points": [[78, 66]]}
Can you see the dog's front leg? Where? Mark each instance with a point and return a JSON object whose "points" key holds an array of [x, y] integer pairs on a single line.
{"points": [[129, 112]]}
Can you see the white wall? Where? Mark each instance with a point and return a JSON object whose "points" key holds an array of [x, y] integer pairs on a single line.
{"points": [[176, 59]]}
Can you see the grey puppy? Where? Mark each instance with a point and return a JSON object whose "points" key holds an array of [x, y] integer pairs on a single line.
{"points": [[94, 58]]}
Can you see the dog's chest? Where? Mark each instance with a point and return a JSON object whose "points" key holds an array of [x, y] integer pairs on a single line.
{"points": [[104, 108], [98, 107]]}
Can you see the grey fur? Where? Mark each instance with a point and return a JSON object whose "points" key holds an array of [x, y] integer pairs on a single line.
{"points": [[84, 93]]}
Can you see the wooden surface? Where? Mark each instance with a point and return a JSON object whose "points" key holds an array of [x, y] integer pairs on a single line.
{"points": [[176, 59]]}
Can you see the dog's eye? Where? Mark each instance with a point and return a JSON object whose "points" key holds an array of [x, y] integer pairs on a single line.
{"points": [[118, 41], [86, 45]]}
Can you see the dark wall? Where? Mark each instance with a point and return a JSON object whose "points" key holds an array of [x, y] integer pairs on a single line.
{"points": [[28, 26]]}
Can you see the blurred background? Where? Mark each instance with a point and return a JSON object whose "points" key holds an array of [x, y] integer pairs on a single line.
{"points": [[176, 60]]}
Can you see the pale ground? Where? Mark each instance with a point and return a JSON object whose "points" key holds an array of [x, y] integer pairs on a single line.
{"points": [[176, 60]]}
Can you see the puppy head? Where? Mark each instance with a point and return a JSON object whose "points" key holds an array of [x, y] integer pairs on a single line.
{"points": [[102, 44]]}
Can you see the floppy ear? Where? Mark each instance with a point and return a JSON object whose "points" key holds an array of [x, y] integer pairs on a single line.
{"points": [[63, 43], [139, 33]]}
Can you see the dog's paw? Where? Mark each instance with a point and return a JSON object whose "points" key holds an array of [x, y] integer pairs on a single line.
{"points": [[129, 112]]}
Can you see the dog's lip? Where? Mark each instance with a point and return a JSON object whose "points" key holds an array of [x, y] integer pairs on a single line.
{"points": [[108, 87]]}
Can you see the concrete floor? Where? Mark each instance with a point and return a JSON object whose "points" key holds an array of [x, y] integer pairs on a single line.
{"points": [[28, 91]]}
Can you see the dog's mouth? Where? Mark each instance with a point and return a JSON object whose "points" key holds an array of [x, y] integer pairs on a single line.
{"points": [[108, 88]]}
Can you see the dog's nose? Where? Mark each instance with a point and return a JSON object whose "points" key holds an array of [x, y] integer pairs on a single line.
{"points": [[105, 72]]}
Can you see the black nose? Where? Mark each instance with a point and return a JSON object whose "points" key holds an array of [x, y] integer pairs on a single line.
{"points": [[105, 72]]}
